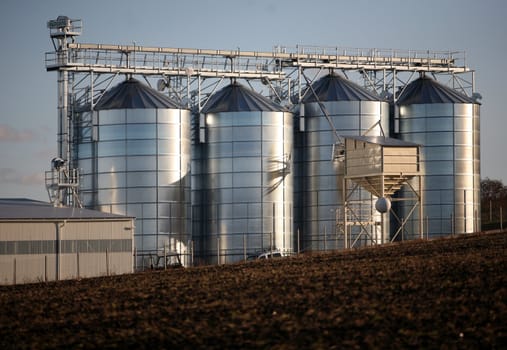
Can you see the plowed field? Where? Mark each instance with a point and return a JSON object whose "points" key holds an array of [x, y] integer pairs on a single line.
{"points": [[446, 293]]}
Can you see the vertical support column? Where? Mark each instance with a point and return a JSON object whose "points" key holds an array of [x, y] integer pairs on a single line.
{"points": [[421, 211], [218, 234], [14, 268], [46, 268], [298, 240], [63, 126], [199, 107], [473, 82], [382, 215], [58, 255], [244, 246], [63, 104], [325, 237], [189, 74], [345, 204], [299, 82], [465, 211], [273, 237], [107, 262], [395, 97]]}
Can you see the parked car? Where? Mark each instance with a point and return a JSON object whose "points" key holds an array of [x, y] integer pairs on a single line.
{"points": [[271, 254]]}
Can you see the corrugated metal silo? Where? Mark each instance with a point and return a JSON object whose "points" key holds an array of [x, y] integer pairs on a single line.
{"points": [[134, 152], [446, 124], [246, 181], [353, 110]]}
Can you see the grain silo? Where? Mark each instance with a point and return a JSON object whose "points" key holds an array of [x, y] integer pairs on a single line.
{"points": [[351, 110], [446, 124], [245, 205], [134, 154]]}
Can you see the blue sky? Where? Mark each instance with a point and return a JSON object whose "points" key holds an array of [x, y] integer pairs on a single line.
{"points": [[28, 93]]}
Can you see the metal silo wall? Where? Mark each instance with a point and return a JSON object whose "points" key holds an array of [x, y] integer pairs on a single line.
{"points": [[246, 196], [320, 185], [136, 162], [450, 160], [84, 154], [198, 192]]}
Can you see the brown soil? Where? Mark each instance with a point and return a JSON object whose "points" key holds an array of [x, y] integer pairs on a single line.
{"points": [[446, 293]]}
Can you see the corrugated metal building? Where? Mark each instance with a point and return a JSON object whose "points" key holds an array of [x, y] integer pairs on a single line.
{"points": [[39, 242]]}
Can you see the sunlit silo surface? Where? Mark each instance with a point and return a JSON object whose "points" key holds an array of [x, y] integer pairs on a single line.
{"points": [[134, 154], [446, 124], [246, 188], [353, 110]]}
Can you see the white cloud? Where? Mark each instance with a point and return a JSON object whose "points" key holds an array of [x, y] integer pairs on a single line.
{"points": [[13, 176], [10, 134]]}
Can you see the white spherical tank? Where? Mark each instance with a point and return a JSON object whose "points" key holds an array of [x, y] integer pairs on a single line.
{"points": [[383, 205]]}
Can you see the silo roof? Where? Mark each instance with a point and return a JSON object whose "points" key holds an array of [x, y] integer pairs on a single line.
{"points": [[426, 90], [333, 87], [132, 94], [237, 98], [28, 209]]}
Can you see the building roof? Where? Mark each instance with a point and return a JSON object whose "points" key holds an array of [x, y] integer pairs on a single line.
{"points": [[333, 87], [28, 209], [382, 141], [237, 98], [426, 90], [132, 94]]}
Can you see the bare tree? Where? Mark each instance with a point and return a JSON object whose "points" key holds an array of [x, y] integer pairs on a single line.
{"points": [[493, 203], [493, 190]]}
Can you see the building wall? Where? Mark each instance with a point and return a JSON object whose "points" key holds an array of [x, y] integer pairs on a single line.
{"points": [[368, 158], [56, 250]]}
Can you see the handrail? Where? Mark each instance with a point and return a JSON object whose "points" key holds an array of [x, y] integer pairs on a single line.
{"points": [[189, 61]]}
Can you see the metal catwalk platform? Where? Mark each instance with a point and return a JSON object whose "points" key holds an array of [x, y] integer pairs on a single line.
{"points": [[191, 74]]}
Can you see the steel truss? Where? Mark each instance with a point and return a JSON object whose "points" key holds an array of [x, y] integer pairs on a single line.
{"points": [[368, 229], [190, 76]]}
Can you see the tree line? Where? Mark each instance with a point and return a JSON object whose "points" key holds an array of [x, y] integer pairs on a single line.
{"points": [[493, 204]]}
